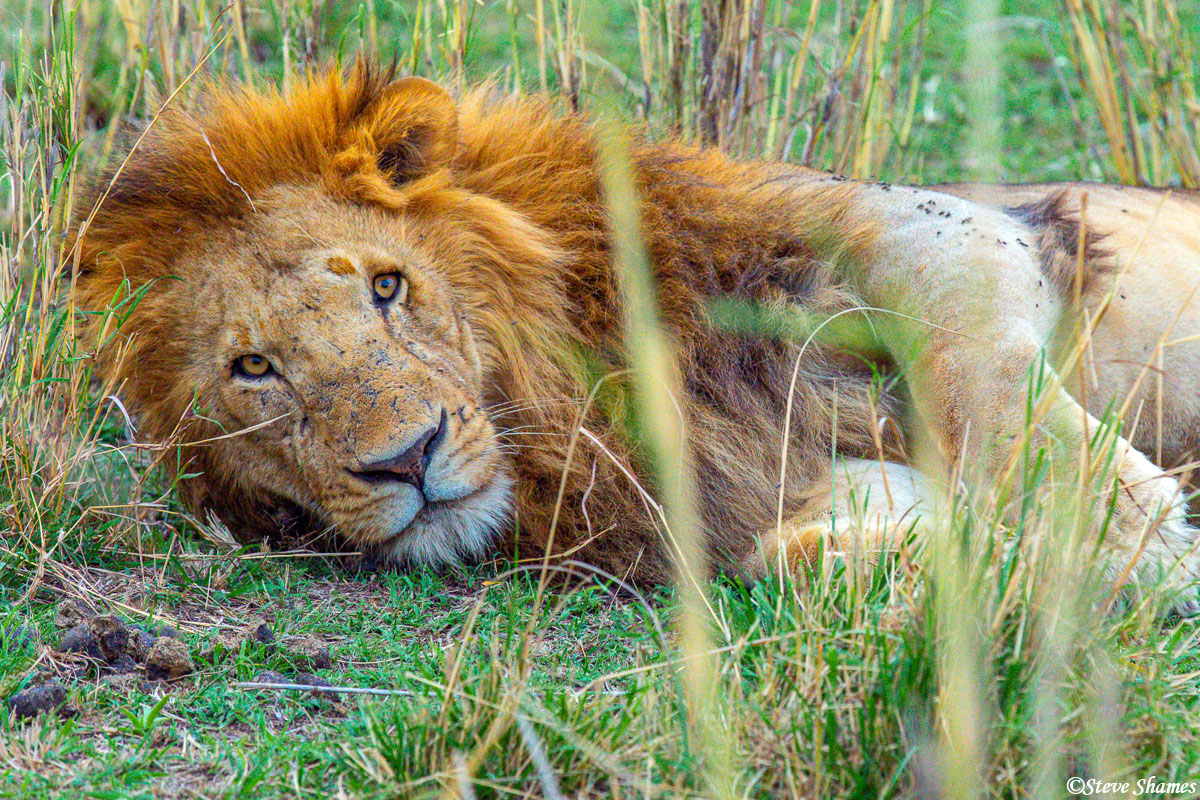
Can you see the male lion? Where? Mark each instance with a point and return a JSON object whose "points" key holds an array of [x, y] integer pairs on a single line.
{"points": [[366, 307]]}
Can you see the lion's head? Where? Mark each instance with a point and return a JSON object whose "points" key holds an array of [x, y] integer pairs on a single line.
{"points": [[297, 295]]}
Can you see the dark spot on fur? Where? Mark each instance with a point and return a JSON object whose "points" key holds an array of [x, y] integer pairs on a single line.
{"points": [[1055, 220]]}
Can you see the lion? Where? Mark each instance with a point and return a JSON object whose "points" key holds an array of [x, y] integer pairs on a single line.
{"points": [[371, 308]]}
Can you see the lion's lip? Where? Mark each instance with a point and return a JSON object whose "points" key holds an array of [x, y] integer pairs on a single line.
{"points": [[422, 486], [465, 494], [434, 506], [430, 509]]}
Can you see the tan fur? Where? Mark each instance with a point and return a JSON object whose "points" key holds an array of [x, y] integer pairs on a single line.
{"points": [[255, 224]]}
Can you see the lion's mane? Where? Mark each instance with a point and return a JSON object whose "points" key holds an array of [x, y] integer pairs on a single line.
{"points": [[512, 187]]}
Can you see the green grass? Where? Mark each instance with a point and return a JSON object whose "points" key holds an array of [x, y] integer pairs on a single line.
{"points": [[833, 689], [837, 688]]}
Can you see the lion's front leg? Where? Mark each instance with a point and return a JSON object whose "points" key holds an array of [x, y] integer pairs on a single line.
{"points": [[971, 317], [866, 510]]}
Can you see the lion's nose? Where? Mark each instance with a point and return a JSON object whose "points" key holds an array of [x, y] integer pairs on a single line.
{"points": [[409, 466]]}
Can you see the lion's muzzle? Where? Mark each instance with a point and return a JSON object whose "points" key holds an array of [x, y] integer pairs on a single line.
{"points": [[410, 465]]}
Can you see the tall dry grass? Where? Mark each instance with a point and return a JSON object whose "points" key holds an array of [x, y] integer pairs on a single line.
{"points": [[1136, 62], [824, 84]]}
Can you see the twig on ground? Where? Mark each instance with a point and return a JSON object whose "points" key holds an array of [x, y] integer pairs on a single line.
{"points": [[303, 687]]}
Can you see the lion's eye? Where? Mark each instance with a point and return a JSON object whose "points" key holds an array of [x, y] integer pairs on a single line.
{"points": [[252, 366], [390, 286]]}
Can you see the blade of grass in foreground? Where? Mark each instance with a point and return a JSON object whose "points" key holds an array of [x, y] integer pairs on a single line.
{"points": [[963, 713], [656, 392]]}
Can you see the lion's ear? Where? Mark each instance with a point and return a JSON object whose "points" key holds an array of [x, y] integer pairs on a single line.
{"points": [[411, 127]]}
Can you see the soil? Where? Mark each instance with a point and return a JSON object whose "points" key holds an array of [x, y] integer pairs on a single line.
{"points": [[17, 637], [311, 652], [300, 678], [168, 659]]}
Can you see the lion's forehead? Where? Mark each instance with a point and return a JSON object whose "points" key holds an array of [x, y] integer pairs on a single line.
{"points": [[282, 307]]}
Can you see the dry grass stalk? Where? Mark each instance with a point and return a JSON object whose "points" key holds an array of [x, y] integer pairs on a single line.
{"points": [[765, 77], [656, 390], [1145, 98]]}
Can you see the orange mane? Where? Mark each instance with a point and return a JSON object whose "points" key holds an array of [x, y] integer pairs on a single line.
{"points": [[510, 193]]}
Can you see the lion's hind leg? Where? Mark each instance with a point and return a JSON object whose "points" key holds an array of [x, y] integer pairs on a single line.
{"points": [[866, 510], [972, 314]]}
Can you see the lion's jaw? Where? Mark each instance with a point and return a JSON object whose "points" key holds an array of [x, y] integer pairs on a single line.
{"points": [[370, 416]]}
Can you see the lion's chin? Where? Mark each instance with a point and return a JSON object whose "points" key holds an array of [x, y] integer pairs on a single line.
{"points": [[451, 532]]}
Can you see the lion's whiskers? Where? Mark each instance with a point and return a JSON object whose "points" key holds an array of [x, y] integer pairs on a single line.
{"points": [[526, 404]]}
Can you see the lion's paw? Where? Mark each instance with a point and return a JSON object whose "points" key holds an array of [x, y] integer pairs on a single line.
{"points": [[1167, 548], [1181, 581]]}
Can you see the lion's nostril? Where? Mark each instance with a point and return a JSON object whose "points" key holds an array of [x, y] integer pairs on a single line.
{"points": [[408, 467]]}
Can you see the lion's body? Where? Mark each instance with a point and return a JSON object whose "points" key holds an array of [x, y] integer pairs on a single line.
{"points": [[495, 215], [1153, 237]]}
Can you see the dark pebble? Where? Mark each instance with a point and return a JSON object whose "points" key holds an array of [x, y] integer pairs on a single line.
{"points": [[79, 640], [110, 634], [49, 696]]}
